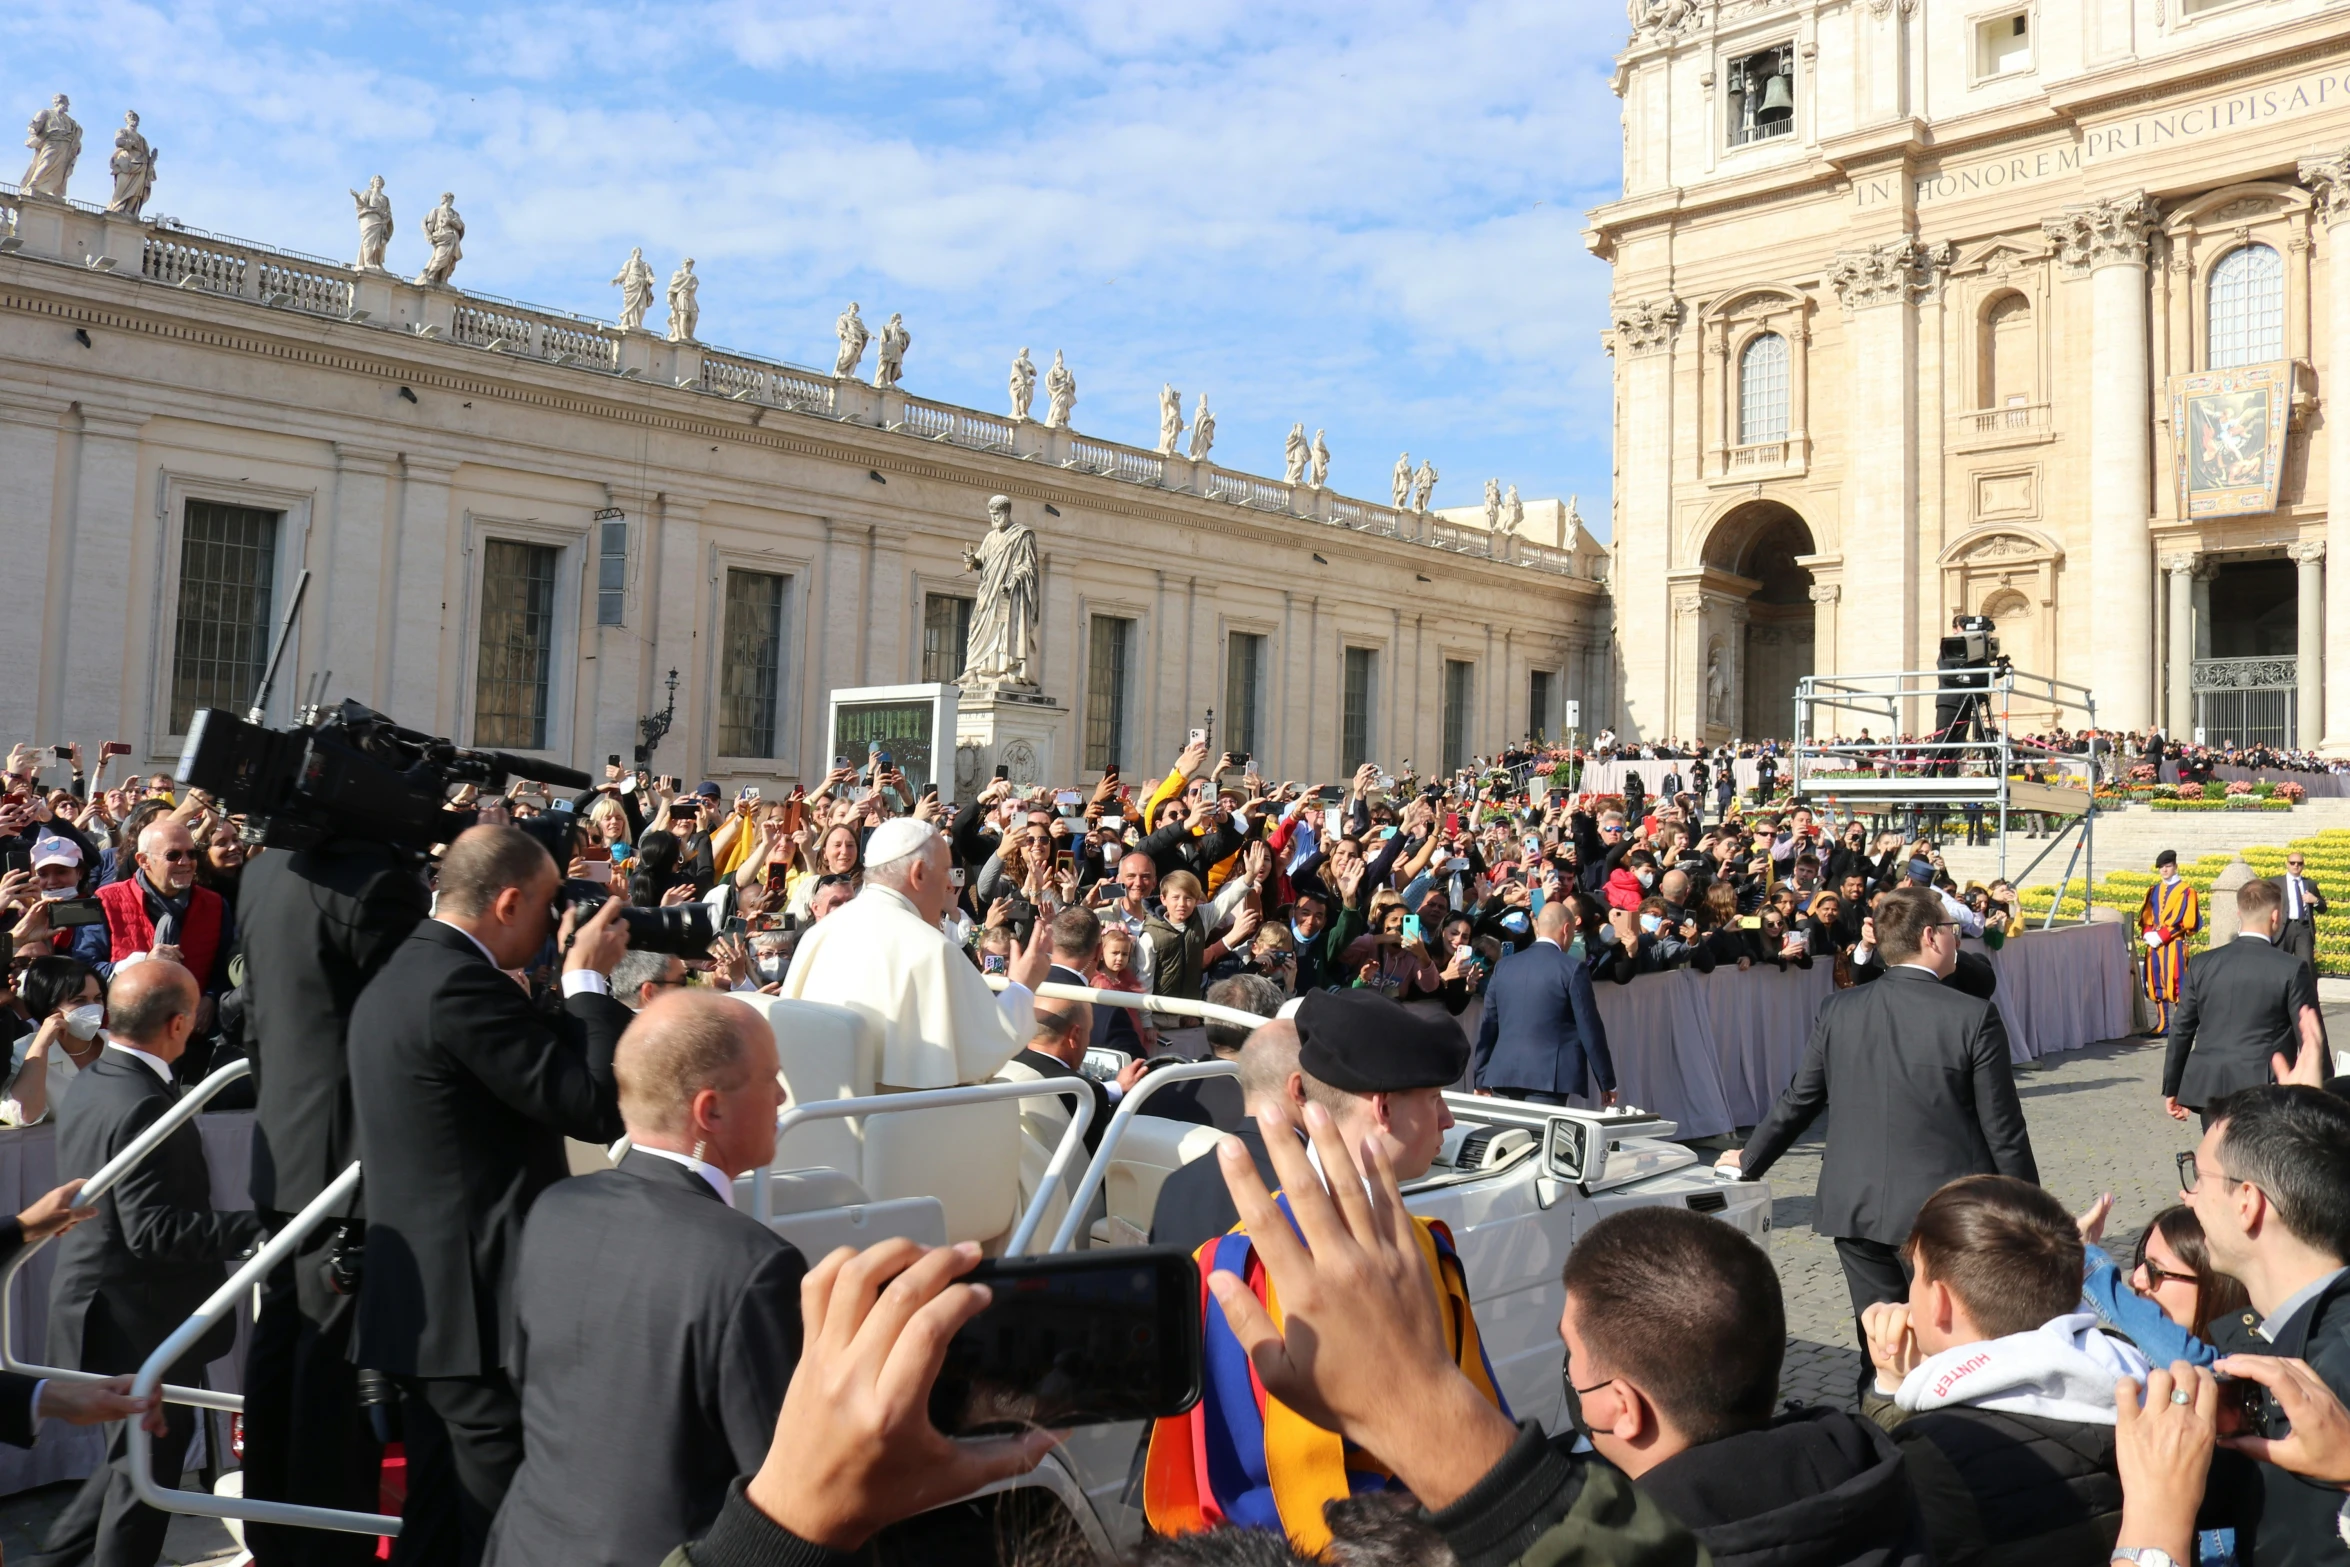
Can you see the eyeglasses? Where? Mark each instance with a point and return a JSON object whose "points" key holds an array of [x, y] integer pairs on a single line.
{"points": [[2157, 1275], [2191, 1174], [174, 856]]}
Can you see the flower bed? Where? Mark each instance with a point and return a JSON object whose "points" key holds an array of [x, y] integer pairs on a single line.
{"points": [[2241, 802]]}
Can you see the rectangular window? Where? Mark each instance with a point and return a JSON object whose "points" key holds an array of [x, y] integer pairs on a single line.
{"points": [[1244, 663], [750, 686], [1538, 704], [228, 572], [1460, 690], [1762, 96], [2003, 46], [1354, 728], [510, 695], [946, 632], [1107, 646], [611, 568]]}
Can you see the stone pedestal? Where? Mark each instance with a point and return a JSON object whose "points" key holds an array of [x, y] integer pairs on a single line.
{"points": [[1024, 732], [40, 226], [638, 349]]}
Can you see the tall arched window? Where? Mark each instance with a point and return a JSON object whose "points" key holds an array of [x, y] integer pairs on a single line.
{"points": [[1762, 390], [2010, 357], [2247, 307]]}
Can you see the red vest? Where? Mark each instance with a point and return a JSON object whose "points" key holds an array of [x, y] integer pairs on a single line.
{"points": [[132, 931]]}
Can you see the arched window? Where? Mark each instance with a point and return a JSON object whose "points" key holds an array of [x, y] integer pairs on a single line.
{"points": [[2010, 367], [1762, 390], [2247, 307]]}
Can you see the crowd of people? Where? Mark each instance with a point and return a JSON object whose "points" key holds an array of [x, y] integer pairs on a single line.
{"points": [[613, 1366]]}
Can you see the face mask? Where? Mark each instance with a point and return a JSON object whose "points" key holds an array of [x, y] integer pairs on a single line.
{"points": [[55, 894], [1645, 878], [1651, 923], [1300, 932], [82, 1022]]}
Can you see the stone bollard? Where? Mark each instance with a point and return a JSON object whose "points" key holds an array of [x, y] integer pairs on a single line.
{"points": [[2219, 909]]}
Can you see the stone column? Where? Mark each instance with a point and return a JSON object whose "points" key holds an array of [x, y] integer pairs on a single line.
{"points": [[1684, 712], [1824, 598], [2329, 178], [348, 550], [1642, 342], [2309, 558], [2107, 239], [2181, 567], [422, 579], [85, 686]]}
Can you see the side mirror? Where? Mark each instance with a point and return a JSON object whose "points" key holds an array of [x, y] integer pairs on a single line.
{"points": [[1568, 1149]]}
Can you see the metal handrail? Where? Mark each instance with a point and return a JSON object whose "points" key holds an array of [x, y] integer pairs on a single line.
{"points": [[947, 1098], [326, 1205], [1098, 1169], [97, 1186], [1142, 1001]]}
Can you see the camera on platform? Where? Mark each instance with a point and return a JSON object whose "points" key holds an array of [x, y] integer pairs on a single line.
{"points": [[1973, 641]]}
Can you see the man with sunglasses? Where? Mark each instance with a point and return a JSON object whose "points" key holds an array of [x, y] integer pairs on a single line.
{"points": [[160, 912]]}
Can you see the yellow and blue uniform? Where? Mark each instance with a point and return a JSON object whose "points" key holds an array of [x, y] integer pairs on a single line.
{"points": [[2173, 910]]}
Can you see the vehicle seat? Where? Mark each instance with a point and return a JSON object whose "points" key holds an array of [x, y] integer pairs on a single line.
{"points": [[1152, 1149], [826, 1052]]}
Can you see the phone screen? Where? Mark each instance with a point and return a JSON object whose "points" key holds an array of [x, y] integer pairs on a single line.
{"points": [[1088, 1338], [66, 913]]}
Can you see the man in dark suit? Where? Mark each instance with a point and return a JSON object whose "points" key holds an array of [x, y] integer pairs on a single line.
{"points": [[1194, 1204], [463, 1094], [156, 1250], [317, 924], [1916, 1078], [2241, 1003], [2303, 904], [1542, 1039], [655, 1328], [1055, 1049], [1218, 1101]]}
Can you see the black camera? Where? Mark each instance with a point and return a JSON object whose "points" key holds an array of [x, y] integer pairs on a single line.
{"points": [[681, 931]]}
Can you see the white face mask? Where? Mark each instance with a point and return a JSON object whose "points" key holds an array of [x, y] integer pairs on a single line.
{"points": [[55, 894], [82, 1022], [1645, 878]]}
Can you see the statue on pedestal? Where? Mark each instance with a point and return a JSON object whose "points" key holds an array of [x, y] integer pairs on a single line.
{"points": [[1203, 430], [1294, 453], [851, 331], [1492, 505], [1060, 394], [375, 225], [1170, 418], [1423, 485], [1401, 484], [1002, 644], [889, 360], [1321, 468], [55, 138], [1717, 688], [635, 283], [444, 229], [685, 308], [133, 168], [1513, 511], [1023, 384]]}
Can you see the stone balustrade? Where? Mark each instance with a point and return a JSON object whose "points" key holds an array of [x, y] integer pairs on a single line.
{"points": [[173, 256]]}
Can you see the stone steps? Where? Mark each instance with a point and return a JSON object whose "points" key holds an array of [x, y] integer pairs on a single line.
{"points": [[2129, 839]]}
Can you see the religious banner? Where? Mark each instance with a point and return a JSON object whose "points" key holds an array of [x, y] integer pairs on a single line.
{"points": [[2229, 426]]}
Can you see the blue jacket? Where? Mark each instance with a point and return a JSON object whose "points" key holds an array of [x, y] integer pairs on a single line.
{"points": [[2105, 1291], [1542, 1029]]}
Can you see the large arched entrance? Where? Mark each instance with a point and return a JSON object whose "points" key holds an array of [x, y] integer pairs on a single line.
{"points": [[1764, 542]]}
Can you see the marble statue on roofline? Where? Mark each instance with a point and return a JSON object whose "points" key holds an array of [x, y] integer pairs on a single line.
{"points": [[889, 357], [374, 208], [1203, 430], [1170, 418], [1001, 647], [133, 168], [444, 229], [55, 138], [1023, 384], [1060, 392], [1513, 511], [1401, 484], [685, 306], [853, 335], [1423, 485], [1319, 474], [1492, 505], [1294, 454], [635, 283]]}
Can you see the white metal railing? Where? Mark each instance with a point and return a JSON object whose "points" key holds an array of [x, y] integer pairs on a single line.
{"points": [[98, 1185], [1097, 1169]]}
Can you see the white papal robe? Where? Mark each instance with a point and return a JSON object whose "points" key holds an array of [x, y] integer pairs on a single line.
{"points": [[940, 1023]]}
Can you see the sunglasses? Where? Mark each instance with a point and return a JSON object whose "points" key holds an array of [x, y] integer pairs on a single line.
{"points": [[174, 856]]}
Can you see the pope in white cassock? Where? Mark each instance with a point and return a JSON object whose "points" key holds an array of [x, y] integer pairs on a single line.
{"points": [[886, 953]]}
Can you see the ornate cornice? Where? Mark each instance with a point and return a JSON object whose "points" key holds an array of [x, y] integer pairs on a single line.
{"points": [[2308, 552], [1826, 592], [1647, 324], [1893, 273], [2328, 178], [2105, 233]]}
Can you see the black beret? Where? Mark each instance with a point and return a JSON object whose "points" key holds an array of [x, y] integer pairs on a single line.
{"points": [[2167, 857], [1362, 1042]]}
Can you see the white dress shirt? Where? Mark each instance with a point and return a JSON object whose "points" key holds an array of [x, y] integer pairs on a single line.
{"points": [[585, 981], [717, 1178]]}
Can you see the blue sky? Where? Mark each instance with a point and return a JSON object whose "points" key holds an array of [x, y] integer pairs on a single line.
{"points": [[1365, 216]]}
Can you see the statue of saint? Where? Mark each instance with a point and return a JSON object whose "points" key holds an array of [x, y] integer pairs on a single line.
{"points": [[1717, 688], [1401, 483], [685, 309], [850, 329], [1321, 468], [635, 283], [1170, 418], [375, 224], [133, 168], [889, 360], [1492, 505], [444, 229], [1002, 644], [1294, 454], [1423, 485], [1060, 394], [1023, 384], [1513, 511], [56, 142], [1203, 430]]}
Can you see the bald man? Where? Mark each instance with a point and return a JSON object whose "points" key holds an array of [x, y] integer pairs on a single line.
{"points": [[655, 1327], [1542, 1040], [159, 911], [1194, 1205], [146, 1262]]}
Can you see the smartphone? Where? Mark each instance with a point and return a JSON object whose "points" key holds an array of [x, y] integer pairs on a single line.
{"points": [[12, 860], [114, 748], [66, 913], [840, 761], [1002, 772], [598, 871], [1081, 1338], [613, 760], [749, 796], [1750, 922], [1069, 797], [61, 752], [1411, 927], [1066, 860], [1196, 737], [1331, 794], [1452, 823], [1114, 823], [736, 926], [884, 761], [1109, 769], [777, 876], [1242, 760], [955, 875]]}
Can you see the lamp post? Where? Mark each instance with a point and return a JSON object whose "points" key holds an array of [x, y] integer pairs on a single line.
{"points": [[657, 725]]}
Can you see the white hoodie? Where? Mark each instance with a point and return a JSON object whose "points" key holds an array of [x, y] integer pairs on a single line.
{"points": [[2064, 1370]]}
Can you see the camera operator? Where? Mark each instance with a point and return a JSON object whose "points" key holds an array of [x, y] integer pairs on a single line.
{"points": [[464, 1092], [318, 923], [1961, 708]]}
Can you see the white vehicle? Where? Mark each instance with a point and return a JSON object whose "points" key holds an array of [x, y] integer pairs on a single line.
{"points": [[997, 1162]]}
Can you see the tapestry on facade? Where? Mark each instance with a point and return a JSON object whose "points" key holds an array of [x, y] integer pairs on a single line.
{"points": [[2230, 431]]}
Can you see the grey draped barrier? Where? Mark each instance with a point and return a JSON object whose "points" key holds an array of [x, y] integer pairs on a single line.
{"points": [[2062, 989], [28, 1167], [2320, 786]]}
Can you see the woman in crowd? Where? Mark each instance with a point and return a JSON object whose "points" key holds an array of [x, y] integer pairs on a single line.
{"points": [[610, 821], [838, 857], [65, 995], [2171, 1295], [222, 859], [1386, 959]]}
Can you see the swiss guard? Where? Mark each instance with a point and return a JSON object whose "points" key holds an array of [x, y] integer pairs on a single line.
{"points": [[1241, 1456], [2170, 915]]}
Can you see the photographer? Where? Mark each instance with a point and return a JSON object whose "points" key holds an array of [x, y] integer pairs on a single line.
{"points": [[464, 1093]]}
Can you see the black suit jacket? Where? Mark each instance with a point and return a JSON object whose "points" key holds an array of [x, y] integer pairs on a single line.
{"points": [[316, 924], [2282, 1520], [2313, 902], [2240, 1003], [463, 1093], [1919, 1091], [157, 1248], [1194, 1206], [1053, 1066], [16, 1392], [655, 1330]]}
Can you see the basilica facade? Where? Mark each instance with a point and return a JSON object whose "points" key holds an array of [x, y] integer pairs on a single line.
{"points": [[2036, 311]]}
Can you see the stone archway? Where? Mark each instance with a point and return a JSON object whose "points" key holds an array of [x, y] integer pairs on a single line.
{"points": [[1774, 629]]}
